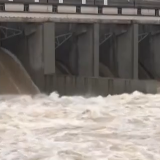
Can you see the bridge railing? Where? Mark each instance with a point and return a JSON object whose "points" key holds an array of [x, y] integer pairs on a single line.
{"points": [[112, 3]]}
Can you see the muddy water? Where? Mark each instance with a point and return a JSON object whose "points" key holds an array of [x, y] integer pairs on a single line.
{"points": [[13, 77], [124, 127]]}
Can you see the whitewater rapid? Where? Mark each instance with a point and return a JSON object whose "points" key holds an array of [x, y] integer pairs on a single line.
{"points": [[120, 127]]}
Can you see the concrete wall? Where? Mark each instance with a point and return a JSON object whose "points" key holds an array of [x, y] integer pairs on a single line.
{"points": [[36, 50], [84, 55], [127, 52], [155, 50], [107, 48], [120, 51], [149, 50], [69, 85]]}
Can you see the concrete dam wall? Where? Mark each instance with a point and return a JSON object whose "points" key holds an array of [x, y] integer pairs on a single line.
{"points": [[83, 50]]}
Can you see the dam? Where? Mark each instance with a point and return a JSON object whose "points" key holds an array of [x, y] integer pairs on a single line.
{"points": [[79, 79], [80, 47]]}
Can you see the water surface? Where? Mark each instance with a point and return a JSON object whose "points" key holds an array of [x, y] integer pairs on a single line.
{"points": [[122, 127]]}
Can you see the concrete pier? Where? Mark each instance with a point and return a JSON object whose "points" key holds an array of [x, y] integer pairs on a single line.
{"points": [[108, 49], [145, 55], [84, 55], [149, 48], [155, 50], [88, 50], [127, 52], [119, 49], [49, 47]]}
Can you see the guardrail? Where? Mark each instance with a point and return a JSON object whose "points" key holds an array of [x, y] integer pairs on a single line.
{"points": [[73, 9], [112, 3]]}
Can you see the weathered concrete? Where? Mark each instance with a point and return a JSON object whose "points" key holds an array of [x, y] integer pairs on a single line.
{"points": [[70, 85], [84, 54], [149, 48], [120, 50], [107, 48], [127, 52], [63, 49], [36, 50], [49, 47], [155, 51], [77, 18], [88, 50], [28, 49], [145, 56]]}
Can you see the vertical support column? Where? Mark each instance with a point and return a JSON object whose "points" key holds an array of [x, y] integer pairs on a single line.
{"points": [[96, 50], [49, 47], [145, 56], [33, 41], [88, 49], [134, 30], [155, 47], [155, 50], [127, 53]]}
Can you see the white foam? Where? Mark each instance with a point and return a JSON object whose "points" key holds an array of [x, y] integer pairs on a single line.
{"points": [[121, 127]]}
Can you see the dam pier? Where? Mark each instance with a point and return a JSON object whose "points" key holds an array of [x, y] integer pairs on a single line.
{"points": [[93, 50]]}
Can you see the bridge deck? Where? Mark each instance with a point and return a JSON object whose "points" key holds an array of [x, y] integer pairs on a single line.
{"points": [[78, 18]]}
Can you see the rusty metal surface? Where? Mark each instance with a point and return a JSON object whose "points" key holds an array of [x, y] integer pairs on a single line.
{"points": [[70, 85]]}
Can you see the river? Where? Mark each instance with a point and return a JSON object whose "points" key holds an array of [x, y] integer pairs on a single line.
{"points": [[120, 127]]}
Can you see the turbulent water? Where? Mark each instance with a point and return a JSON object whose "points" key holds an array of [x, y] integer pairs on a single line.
{"points": [[121, 127]]}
